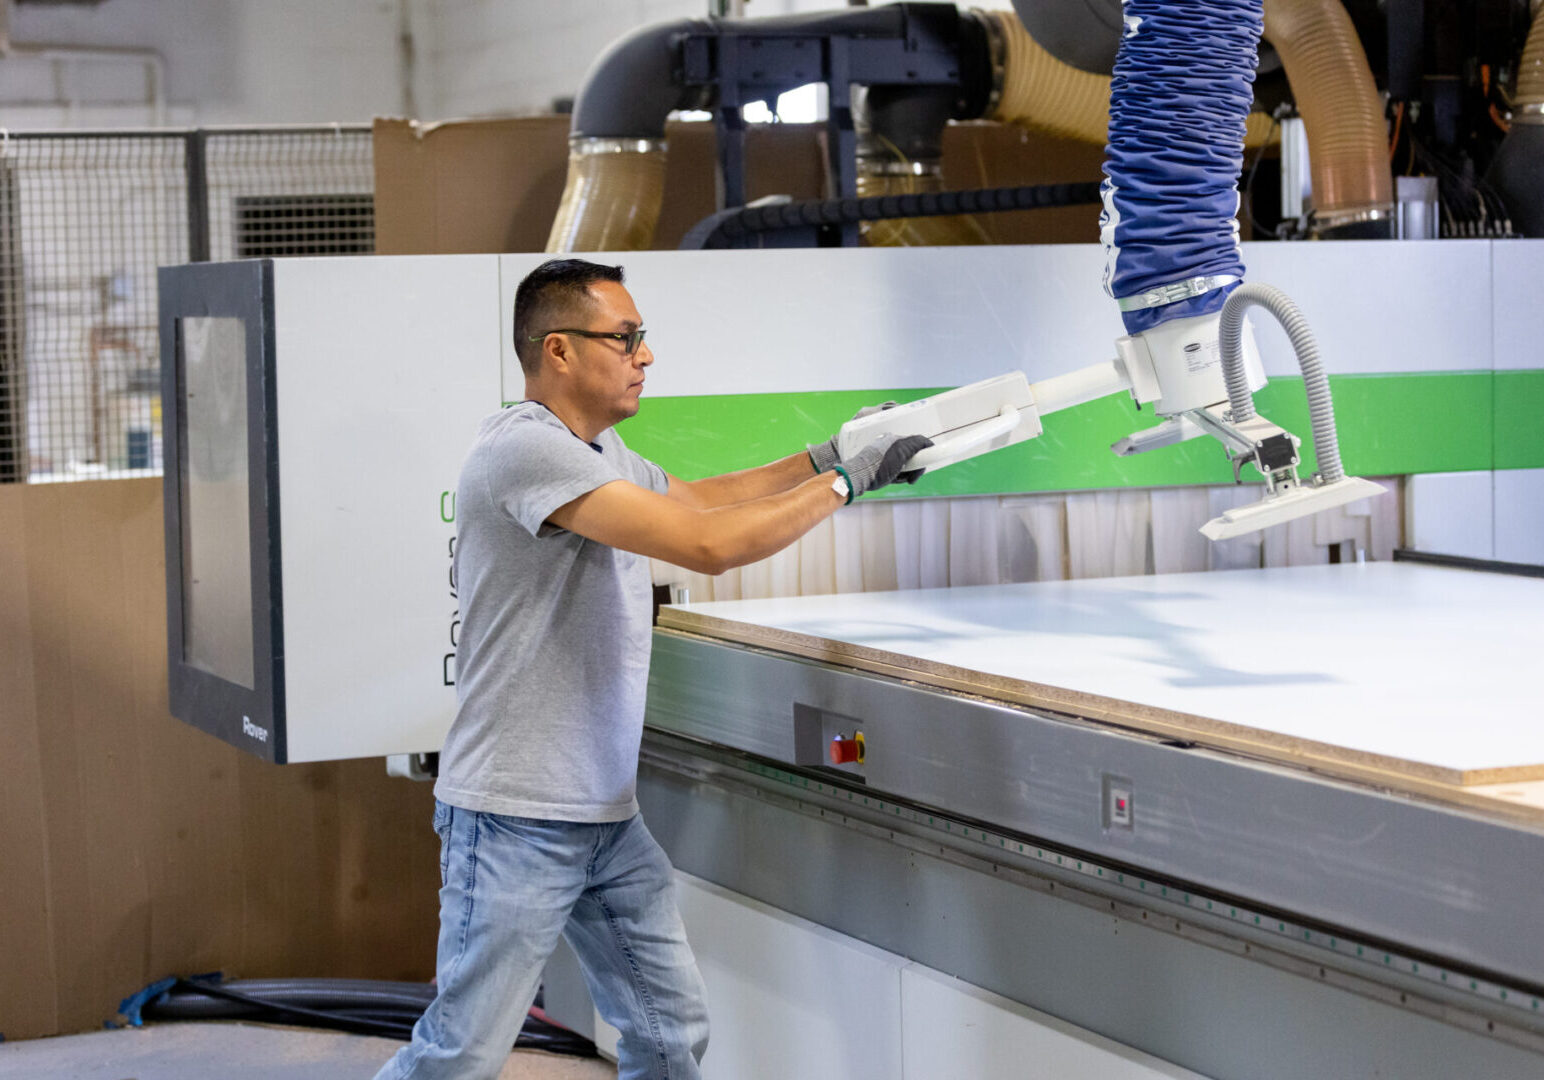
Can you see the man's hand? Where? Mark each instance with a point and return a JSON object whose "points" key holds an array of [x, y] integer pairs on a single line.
{"points": [[824, 455], [881, 461]]}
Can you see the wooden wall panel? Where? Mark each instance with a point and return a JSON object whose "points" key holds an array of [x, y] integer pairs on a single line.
{"points": [[133, 846], [26, 931]]}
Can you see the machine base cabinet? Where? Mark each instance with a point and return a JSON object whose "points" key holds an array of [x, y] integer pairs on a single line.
{"points": [[789, 997]]}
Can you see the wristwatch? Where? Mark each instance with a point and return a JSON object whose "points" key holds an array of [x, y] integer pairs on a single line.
{"points": [[842, 486]]}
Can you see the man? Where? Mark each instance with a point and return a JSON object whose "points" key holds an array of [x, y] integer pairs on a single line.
{"points": [[539, 829]]}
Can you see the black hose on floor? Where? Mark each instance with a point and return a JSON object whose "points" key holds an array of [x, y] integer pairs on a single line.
{"points": [[359, 1006]]}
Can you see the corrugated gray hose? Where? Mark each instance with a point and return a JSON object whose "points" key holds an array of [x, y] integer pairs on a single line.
{"points": [[1321, 410]]}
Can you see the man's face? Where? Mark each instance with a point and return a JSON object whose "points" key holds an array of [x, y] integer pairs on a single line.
{"points": [[606, 378]]}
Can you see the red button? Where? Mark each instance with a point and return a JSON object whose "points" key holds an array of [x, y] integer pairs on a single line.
{"points": [[843, 751]]}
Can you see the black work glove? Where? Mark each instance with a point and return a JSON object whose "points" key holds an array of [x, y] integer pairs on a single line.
{"points": [[880, 463], [824, 455]]}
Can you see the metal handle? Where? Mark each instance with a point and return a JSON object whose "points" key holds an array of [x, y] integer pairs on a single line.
{"points": [[967, 438]]}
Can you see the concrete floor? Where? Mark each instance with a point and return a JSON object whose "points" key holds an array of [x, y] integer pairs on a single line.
{"points": [[236, 1050]]}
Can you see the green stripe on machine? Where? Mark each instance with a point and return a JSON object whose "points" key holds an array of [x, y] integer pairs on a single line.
{"points": [[1388, 425], [1519, 428]]}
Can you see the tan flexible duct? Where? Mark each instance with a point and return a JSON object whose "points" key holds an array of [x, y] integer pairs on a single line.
{"points": [[612, 199], [1528, 104], [1043, 94], [1324, 62], [880, 177], [1342, 111]]}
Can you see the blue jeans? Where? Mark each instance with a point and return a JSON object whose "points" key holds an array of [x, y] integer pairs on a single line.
{"points": [[510, 887]]}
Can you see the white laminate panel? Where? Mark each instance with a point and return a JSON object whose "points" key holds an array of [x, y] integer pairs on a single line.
{"points": [[1520, 515], [1380, 308], [1418, 663], [1519, 318], [1451, 514]]}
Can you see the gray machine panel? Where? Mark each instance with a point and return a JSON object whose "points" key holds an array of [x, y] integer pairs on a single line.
{"points": [[1217, 1007], [1444, 883]]}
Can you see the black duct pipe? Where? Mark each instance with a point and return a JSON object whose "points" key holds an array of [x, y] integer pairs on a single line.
{"points": [[1082, 33], [900, 146], [636, 83], [910, 120], [1517, 170]]}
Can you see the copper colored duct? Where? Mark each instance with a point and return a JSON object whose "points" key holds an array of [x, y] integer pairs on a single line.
{"points": [[1529, 105], [1341, 108], [1041, 93]]}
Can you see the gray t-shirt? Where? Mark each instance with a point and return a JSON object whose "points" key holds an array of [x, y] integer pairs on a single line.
{"points": [[552, 660]]}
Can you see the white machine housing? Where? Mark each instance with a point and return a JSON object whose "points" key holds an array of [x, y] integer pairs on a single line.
{"points": [[364, 380], [309, 571]]}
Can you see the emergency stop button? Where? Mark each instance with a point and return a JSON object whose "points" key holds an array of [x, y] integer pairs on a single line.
{"points": [[847, 751]]}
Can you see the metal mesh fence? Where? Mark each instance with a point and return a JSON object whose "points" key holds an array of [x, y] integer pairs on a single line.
{"points": [[85, 220], [290, 193]]}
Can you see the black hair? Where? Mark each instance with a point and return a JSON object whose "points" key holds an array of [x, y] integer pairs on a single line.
{"points": [[551, 296]]}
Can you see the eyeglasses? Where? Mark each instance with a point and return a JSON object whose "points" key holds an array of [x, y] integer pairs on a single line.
{"points": [[630, 340]]}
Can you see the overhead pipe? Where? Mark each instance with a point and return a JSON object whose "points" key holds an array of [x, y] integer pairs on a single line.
{"points": [[616, 145], [617, 148], [1517, 170]]}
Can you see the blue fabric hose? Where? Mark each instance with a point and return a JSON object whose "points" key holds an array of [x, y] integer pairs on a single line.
{"points": [[1179, 98]]}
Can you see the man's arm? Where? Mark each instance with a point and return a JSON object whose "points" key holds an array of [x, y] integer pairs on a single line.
{"points": [[745, 485], [706, 540], [736, 487]]}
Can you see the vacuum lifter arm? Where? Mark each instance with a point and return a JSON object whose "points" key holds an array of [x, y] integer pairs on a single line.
{"points": [[1198, 373]]}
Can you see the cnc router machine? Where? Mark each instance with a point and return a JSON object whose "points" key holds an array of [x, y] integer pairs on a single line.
{"points": [[1270, 823]]}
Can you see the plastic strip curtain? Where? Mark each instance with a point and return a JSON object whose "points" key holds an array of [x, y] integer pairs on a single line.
{"points": [[993, 540]]}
